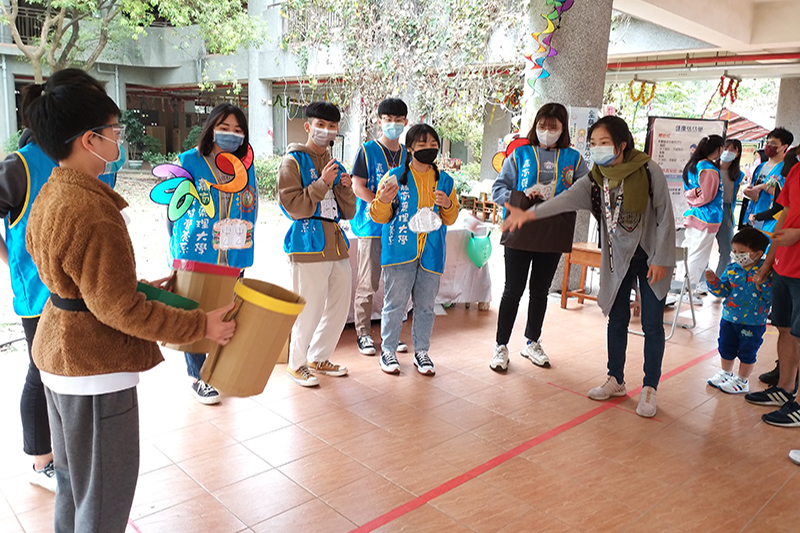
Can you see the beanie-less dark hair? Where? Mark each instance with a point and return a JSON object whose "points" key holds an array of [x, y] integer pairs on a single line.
{"points": [[752, 238], [205, 144], [419, 132], [393, 107], [65, 107], [324, 111], [706, 147]]}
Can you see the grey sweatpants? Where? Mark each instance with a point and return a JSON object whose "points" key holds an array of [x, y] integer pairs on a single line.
{"points": [[96, 459]]}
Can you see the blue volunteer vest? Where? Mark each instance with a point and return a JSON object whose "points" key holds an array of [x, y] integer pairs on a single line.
{"points": [[764, 201], [710, 213], [377, 166], [306, 235], [398, 243], [526, 160], [30, 293], [192, 234]]}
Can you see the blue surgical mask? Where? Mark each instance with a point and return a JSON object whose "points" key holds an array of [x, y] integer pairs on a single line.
{"points": [[114, 166], [727, 156], [602, 155], [228, 141], [392, 130]]}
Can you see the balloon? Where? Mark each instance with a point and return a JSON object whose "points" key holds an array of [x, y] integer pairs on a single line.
{"points": [[479, 249]]}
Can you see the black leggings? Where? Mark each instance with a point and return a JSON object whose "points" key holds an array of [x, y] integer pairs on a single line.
{"points": [[542, 267], [33, 404]]}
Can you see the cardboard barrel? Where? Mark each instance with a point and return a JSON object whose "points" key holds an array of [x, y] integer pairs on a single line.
{"points": [[264, 314], [211, 286]]}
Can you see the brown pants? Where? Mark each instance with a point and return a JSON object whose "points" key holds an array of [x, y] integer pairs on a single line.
{"points": [[369, 275]]}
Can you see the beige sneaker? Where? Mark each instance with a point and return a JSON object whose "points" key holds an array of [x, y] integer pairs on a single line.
{"points": [[327, 368], [303, 376], [647, 402], [608, 389]]}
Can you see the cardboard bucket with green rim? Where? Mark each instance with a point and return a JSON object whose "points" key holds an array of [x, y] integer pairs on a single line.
{"points": [[209, 285], [264, 315]]}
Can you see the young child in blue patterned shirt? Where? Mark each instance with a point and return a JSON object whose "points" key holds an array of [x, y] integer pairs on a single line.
{"points": [[744, 312]]}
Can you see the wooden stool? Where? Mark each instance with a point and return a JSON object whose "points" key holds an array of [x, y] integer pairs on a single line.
{"points": [[585, 254]]}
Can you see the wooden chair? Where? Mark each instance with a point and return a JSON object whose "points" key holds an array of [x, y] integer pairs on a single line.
{"points": [[484, 206]]}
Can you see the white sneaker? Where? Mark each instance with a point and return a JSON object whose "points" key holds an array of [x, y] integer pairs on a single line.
{"points": [[794, 455], [45, 478], [695, 299], [500, 359], [423, 363], [608, 389], [719, 378], [535, 353], [647, 402], [735, 385]]}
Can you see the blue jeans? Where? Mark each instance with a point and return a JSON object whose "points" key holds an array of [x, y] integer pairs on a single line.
{"points": [[785, 303], [724, 238], [194, 362], [652, 315], [401, 282]]}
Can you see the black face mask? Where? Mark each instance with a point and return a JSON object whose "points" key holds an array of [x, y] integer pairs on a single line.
{"points": [[426, 156]]}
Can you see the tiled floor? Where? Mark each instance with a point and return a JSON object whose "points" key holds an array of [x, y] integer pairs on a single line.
{"points": [[466, 450]]}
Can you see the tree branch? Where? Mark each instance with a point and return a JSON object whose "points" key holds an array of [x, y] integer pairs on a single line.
{"points": [[101, 43]]}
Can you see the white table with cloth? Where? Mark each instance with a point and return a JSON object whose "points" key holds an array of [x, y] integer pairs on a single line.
{"points": [[462, 281]]}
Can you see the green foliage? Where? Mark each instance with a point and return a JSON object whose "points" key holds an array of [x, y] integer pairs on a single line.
{"points": [[12, 142], [267, 176], [138, 141], [192, 138], [434, 50], [157, 158], [75, 32], [467, 177], [688, 99]]}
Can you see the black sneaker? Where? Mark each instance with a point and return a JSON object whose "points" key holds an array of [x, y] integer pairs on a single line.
{"points": [[423, 363], [771, 377], [204, 393], [787, 416], [402, 347], [771, 396], [366, 345], [389, 363]]}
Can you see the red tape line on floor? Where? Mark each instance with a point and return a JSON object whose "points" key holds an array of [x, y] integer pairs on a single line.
{"points": [[446, 487]]}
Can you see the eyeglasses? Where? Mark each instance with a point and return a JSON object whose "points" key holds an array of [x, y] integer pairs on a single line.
{"points": [[118, 129]]}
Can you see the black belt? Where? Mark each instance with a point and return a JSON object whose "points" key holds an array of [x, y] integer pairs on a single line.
{"points": [[69, 304]]}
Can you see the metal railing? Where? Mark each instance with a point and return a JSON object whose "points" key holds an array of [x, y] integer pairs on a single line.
{"points": [[298, 23], [29, 24]]}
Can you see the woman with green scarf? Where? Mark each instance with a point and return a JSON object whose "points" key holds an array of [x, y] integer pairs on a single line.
{"points": [[628, 194]]}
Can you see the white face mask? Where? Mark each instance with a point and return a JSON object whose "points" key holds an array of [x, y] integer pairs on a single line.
{"points": [[322, 137], [547, 137], [743, 258]]}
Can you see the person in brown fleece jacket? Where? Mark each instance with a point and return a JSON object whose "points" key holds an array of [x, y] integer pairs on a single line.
{"points": [[316, 192], [96, 332]]}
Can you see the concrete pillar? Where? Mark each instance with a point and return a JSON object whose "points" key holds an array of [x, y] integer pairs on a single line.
{"points": [[260, 118], [8, 108], [496, 125], [788, 114], [577, 75]]}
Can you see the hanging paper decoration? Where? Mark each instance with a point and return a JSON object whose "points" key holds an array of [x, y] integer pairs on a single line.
{"points": [[731, 91], [544, 39], [640, 98]]}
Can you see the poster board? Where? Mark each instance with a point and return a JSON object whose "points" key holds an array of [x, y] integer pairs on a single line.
{"points": [[670, 142], [580, 120]]}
